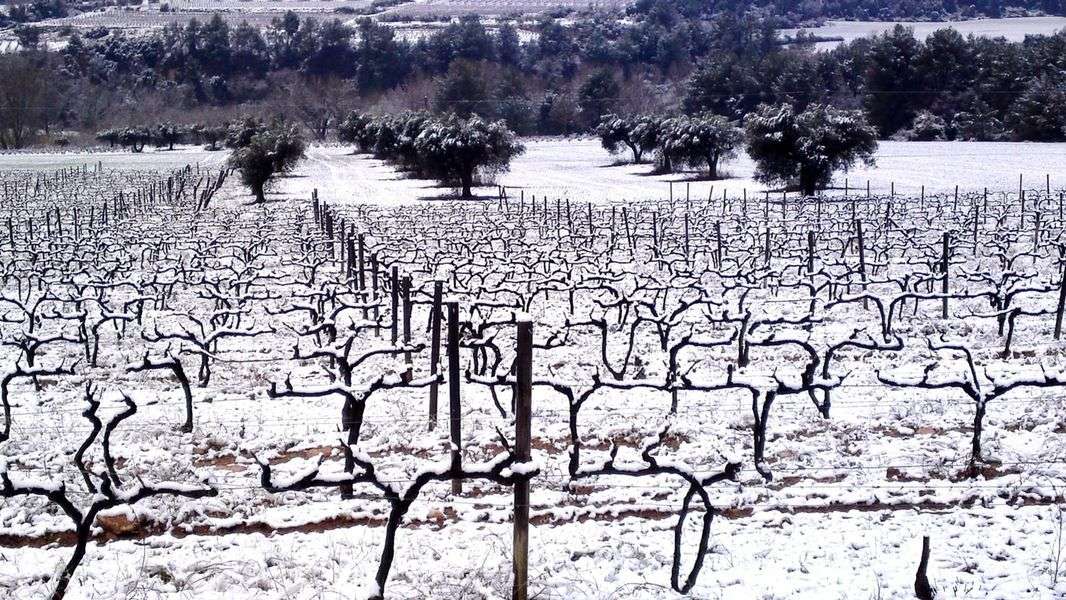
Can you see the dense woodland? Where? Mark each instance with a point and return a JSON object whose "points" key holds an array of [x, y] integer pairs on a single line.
{"points": [[875, 10], [665, 60], [789, 11]]}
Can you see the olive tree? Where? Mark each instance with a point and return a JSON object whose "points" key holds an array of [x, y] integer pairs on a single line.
{"points": [[211, 135], [805, 149], [357, 128], [134, 138], [704, 139], [167, 134], [268, 151], [646, 131], [110, 136], [455, 149], [616, 132]]}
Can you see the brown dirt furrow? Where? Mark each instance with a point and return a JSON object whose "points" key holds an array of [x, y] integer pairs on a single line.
{"points": [[440, 518]]}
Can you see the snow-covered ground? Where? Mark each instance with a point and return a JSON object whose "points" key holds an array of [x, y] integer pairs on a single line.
{"points": [[843, 518], [149, 160], [1013, 29], [581, 169], [999, 553]]}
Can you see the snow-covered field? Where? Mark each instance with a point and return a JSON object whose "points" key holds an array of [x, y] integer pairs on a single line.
{"points": [[261, 12], [149, 160], [994, 553], [506, 8], [581, 169], [1013, 29], [842, 515]]}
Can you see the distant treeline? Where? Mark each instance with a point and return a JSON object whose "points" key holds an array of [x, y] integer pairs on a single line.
{"points": [[796, 12], [562, 80], [790, 12]]}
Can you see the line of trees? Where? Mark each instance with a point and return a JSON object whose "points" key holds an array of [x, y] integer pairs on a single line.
{"points": [[705, 139], [450, 149], [162, 135], [666, 58], [793, 12], [212, 136], [801, 150], [568, 74], [261, 149]]}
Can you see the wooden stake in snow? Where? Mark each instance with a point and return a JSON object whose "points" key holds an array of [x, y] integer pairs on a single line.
{"points": [[1062, 303], [687, 255], [395, 297], [434, 352], [718, 243], [810, 255], [625, 223], [767, 250], [349, 270], [454, 416], [946, 254], [362, 265], [862, 258], [655, 235], [405, 290], [523, 413]]}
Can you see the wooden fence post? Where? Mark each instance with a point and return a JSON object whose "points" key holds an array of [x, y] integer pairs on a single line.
{"points": [[629, 237], [454, 417], [945, 266], [718, 243], [434, 352], [523, 412], [1062, 303], [1036, 230], [687, 254], [350, 263], [655, 235], [861, 243], [362, 266], [405, 290], [767, 250], [395, 297], [810, 254]]}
